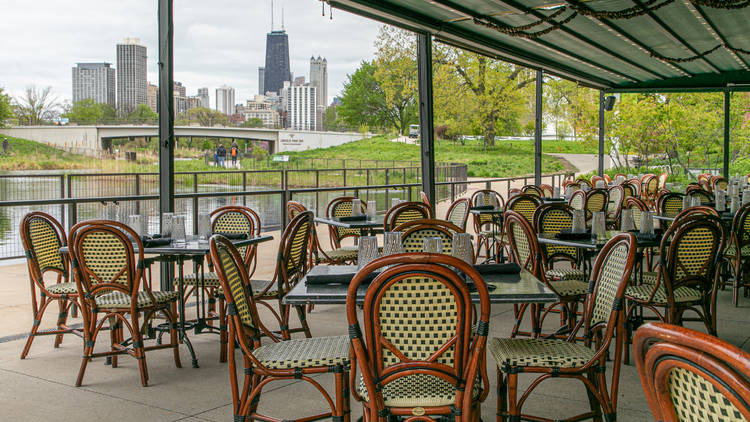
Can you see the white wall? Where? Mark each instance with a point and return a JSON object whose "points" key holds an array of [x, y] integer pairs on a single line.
{"points": [[302, 140], [71, 138]]}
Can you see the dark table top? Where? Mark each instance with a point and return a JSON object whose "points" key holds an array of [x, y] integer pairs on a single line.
{"points": [[725, 215], [509, 288], [357, 224], [193, 246], [493, 211], [554, 200], [588, 243]]}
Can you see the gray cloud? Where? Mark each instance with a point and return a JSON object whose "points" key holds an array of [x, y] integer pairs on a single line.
{"points": [[216, 42]]}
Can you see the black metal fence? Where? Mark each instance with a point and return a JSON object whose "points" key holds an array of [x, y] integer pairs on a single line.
{"points": [[78, 196]]}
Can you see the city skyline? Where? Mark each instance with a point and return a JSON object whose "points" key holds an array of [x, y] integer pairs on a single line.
{"points": [[205, 37]]}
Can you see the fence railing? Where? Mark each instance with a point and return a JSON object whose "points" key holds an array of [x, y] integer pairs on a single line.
{"points": [[76, 197]]}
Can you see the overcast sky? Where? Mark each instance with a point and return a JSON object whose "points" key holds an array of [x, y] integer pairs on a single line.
{"points": [[216, 42]]}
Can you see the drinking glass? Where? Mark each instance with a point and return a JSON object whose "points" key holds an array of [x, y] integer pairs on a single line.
{"points": [[178, 229], [620, 179], [135, 222], [556, 192], [695, 201], [721, 200], [461, 247], [204, 226], [598, 226], [627, 223], [395, 201], [686, 202], [110, 211], [166, 224], [600, 184], [432, 244], [480, 200], [735, 205], [579, 221], [392, 243], [371, 210], [569, 192], [647, 222], [356, 207], [368, 250]]}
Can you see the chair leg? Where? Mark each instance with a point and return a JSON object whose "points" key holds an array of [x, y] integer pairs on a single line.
{"points": [[302, 316], [222, 331], [502, 400], [513, 410], [593, 401], [61, 319], [114, 329], [139, 352], [174, 335], [35, 328], [89, 337]]}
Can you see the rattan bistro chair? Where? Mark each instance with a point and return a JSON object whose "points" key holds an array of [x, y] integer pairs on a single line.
{"points": [[342, 207], [552, 219], [111, 280], [418, 355], [691, 376], [42, 237], [487, 226], [413, 234], [279, 360], [525, 205], [739, 240], [317, 255], [403, 212], [614, 206], [458, 212], [553, 358]]}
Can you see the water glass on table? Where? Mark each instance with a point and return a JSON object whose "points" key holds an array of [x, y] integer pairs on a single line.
{"points": [[432, 244], [179, 235], [598, 227], [395, 201], [392, 243], [204, 226], [356, 207], [686, 202], [371, 210], [735, 205], [627, 223], [579, 221], [367, 250], [135, 222], [721, 200], [479, 201], [461, 247], [556, 192], [647, 223], [166, 224]]}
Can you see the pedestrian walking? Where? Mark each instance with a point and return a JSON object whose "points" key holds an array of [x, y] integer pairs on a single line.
{"points": [[235, 150], [221, 154]]}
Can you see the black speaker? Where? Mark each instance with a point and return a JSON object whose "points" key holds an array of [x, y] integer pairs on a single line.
{"points": [[609, 102]]}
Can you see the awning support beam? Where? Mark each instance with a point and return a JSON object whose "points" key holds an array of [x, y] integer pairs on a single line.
{"points": [[601, 133], [165, 103], [727, 105], [426, 123], [538, 129]]}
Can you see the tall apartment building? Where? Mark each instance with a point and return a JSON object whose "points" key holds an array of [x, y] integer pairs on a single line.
{"points": [[95, 81], [261, 108], [277, 61], [261, 80], [301, 106], [152, 97], [131, 74], [319, 78], [225, 100], [203, 95]]}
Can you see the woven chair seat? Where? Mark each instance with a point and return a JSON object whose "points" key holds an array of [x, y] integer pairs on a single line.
{"points": [[649, 277], [731, 250], [643, 292], [210, 279], [545, 353], [62, 288], [305, 353], [120, 300], [343, 253], [570, 287], [565, 274], [418, 390]]}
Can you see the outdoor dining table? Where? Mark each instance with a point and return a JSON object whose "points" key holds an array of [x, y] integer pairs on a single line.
{"points": [[496, 214], [366, 225], [551, 200], [179, 253], [521, 287]]}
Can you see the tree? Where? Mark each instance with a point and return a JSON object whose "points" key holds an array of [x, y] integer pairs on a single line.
{"points": [[331, 120], [204, 117], [36, 106], [396, 73], [252, 122], [85, 112], [6, 110], [362, 100], [142, 115]]}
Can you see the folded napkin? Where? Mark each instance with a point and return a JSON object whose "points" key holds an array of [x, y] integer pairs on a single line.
{"points": [[338, 274], [483, 207], [353, 218], [567, 234], [508, 268], [234, 236], [152, 242]]}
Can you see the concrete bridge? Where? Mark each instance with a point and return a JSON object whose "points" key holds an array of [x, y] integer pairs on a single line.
{"points": [[93, 139]]}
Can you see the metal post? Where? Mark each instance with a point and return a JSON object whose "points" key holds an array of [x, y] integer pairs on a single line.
{"points": [[427, 140], [538, 129], [166, 121], [727, 105], [601, 133]]}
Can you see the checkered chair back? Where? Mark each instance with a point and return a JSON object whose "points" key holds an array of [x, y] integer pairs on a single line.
{"points": [[483, 221], [741, 227], [525, 205], [690, 253], [670, 204], [691, 376], [108, 256], [551, 219], [293, 208], [584, 184], [616, 195], [719, 183], [341, 207], [577, 201], [522, 240], [704, 195], [458, 212], [414, 232], [405, 212], [532, 190], [417, 317], [662, 181], [638, 207], [228, 263], [596, 201], [42, 237], [292, 262], [236, 219], [547, 190]]}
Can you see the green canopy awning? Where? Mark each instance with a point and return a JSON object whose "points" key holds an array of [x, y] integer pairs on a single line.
{"points": [[615, 45]]}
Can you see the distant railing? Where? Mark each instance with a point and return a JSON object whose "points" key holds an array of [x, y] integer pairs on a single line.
{"points": [[76, 197]]}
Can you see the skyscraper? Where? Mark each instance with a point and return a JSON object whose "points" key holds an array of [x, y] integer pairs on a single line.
{"points": [[152, 95], [131, 74], [225, 100], [261, 81], [95, 81], [277, 61], [301, 106], [203, 95], [319, 78]]}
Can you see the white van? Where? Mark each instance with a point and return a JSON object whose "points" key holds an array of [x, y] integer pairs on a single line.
{"points": [[414, 131]]}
